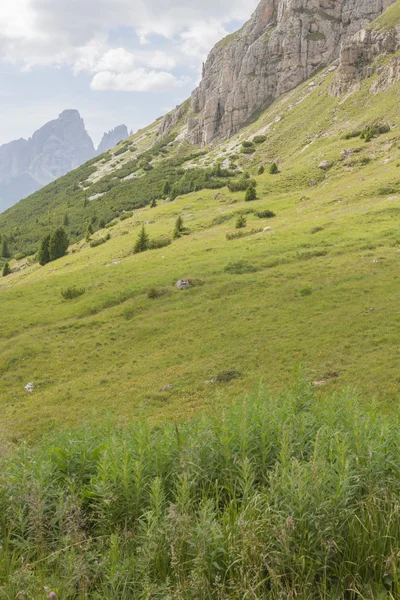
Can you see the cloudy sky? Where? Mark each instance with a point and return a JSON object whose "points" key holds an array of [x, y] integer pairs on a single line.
{"points": [[116, 61]]}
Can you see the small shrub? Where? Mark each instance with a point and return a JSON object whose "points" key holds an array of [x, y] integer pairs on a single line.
{"points": [[241, 222], [240, 268], [248, 150], [265, 214], [159, 243], [153, 203], [58, 245], [226, 376], [100, 241], [72, 292], [317, 229], [273, 169], [259, 139], [247, 144], [306, 291], [126, 215], [261, 170], [239, 185]]}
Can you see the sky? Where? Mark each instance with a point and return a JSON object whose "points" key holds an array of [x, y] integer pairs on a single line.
{"points": [[116, 61]]}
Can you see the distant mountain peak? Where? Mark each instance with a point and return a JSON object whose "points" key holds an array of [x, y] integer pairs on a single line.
{"points": [[112, 138], [58, 147]]}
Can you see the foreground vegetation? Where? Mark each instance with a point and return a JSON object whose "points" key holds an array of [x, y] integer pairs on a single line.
{"points": [[287, 496]]}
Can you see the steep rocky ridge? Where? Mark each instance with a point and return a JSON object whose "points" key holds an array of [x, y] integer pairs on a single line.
{"points": [[112, 138], [282, 45], [359, 54], [55, 149]]}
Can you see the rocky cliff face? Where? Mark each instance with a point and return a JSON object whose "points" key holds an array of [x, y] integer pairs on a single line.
{"points": [[358, 58], [112, 138], [282, 45], [52, 151]]}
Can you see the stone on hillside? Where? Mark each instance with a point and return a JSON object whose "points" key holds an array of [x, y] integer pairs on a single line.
{"points": [[325, 165], [183, 284], [29, 387]]}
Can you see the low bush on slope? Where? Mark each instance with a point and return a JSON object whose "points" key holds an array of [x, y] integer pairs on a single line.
{"points": [[275, 497]]}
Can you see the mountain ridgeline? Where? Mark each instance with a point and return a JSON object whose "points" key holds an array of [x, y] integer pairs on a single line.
{"points": [[55, 149]]}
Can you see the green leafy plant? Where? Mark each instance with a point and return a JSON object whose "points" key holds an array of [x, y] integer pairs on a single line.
{"points": [[241, 222], [72, 292], [142, 242]]}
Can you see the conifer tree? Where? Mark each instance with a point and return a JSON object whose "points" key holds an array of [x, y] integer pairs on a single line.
{"points": [[43, 254], [273, 169], [251, 193], [241, 222], [58, 245], [142, 242], [5, 253], [89, 231], [153, 203], [6, 270], [178, 228], [166, 188]]}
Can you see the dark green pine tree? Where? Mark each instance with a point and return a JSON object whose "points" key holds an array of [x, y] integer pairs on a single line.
{"points": [[142, 243], [89, 231], [251, 193], [102, 224], [153, 203], [274, 169], [66, 220], [43, 255], [5, 253], [178, 228], [59, 243], [166, 188], [6, 270]]}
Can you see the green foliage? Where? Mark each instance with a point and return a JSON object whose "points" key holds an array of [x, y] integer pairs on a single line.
{"points": [[251, 194], [259, 139], [240, 267], [102, 223], [247, 144], [265, 214], [6, 270], [179, 228], [241, 222], [160, 242], [89, 231], [261, 170], [5, 253], [142, 242], [153, 203], [248, 150], [241, 184], [241, 234], [66, 220], [100, 241], [307, 290], [304, 484], [58, 244], [72, 292], [43, 255], [273, 169], [126, 215]]}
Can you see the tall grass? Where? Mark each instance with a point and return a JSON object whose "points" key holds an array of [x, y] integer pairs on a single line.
{"points": [[275, 497]]}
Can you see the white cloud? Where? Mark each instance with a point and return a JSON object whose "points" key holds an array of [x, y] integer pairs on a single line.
{"points": [[48, 31], [137, 80]]}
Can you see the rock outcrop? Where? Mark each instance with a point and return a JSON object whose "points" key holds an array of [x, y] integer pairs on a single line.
{"points": [[112, 138], [281, 46], [358, 58], [56, 148]]}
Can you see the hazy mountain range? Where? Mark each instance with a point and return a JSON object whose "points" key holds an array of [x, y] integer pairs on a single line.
{"points": [[55, 149]]}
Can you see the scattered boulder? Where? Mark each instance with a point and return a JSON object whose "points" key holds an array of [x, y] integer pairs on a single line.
{"points": [[167, 200], [183, 284], [325, 165], [29, 387]]}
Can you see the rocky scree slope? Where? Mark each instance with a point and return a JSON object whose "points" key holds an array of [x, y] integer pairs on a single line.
{"points": [[282, 45]]}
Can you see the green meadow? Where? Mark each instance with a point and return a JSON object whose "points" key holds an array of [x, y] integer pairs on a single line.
{"points": [[316, 285]]}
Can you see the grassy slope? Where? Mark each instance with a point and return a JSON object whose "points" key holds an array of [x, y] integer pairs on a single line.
{"points": [[110, 351]]}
